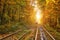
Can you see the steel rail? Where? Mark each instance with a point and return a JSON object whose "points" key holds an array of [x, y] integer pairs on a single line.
{"points": [[23, 35], [48, 34], [36, 34], [10, 34]]}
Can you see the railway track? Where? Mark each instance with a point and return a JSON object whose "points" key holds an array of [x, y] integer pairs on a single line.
{"points": [[43, 34], [39, 33], [13, 36]]}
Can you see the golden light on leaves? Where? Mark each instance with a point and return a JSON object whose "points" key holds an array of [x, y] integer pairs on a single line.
{"points": [[47, 1]]}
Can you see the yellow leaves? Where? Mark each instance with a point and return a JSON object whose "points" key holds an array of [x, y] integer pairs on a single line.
{"points": [[47, 1], [53, 1]]}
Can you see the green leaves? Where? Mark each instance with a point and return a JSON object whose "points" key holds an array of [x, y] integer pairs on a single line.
{"points": [[23, 3]]}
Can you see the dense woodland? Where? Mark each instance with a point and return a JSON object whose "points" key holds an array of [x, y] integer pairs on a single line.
{"points": [[16, 13], [12, 13]]}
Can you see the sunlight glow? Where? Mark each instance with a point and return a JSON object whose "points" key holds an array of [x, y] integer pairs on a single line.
{"points": [[38, 16], [37, 13]]}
